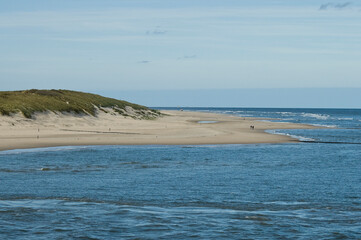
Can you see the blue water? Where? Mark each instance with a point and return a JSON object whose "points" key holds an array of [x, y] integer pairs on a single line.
{"points": [[307, 190]]}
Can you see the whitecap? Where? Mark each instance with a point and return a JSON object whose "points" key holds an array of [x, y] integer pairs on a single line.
{"points": [[286, 113], [317, 116], [300, 138], [348, 119], [286, 203], [324, 125]]}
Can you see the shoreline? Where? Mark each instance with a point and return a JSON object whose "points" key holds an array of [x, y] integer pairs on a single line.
{"points": [[174, 128]]}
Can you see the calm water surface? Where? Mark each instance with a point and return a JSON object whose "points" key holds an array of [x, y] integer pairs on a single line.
{"points": [[309, 190]]}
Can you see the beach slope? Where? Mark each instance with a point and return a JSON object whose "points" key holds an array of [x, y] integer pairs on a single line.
{"points": [[49, 129]]}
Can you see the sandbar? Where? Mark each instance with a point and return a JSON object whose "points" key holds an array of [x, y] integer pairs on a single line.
{"points": [[174, 128]]}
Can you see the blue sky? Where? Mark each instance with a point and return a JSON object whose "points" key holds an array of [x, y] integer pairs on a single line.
{"points": [[152, 45]]}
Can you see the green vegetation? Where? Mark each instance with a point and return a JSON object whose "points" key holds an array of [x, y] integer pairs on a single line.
{"points": [[33, 101]]}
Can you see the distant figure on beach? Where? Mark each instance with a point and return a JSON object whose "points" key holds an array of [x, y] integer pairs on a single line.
{"points": [[251, 127]]}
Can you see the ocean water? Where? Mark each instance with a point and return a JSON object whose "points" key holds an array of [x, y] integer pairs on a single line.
{"points": [[306, 190]]}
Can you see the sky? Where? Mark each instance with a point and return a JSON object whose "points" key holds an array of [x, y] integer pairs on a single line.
{"points": [[137, 47]]}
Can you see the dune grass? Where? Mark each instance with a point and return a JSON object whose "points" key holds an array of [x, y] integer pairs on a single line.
{"points": [[32, 101]]}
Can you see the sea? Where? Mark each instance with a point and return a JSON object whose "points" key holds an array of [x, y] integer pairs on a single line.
{"points": [[305, 190]]}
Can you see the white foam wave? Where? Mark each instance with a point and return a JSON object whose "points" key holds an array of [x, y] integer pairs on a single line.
{"points": [[286, 113], [317, 116], [324, 125], [301, 138], [286, 203], [46, 149]]}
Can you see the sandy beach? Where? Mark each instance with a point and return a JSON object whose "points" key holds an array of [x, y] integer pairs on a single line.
{"points": [[174, 128]]}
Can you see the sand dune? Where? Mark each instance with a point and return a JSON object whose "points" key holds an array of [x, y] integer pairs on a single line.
{"points": [[176, 127]]}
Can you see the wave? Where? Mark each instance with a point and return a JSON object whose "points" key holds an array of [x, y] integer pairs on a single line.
{"points": [[290, 203], [286, 113], [315, 115], [135, 206], [324, 125], [347, 119], [300, 138], [46, 149], [251, 210], [75, 148]]}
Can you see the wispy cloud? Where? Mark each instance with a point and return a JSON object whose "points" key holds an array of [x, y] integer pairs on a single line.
{"points": [[338, 6], [144, 62], [325, 6], [156, 31], [342, 5], [185, 57]]}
